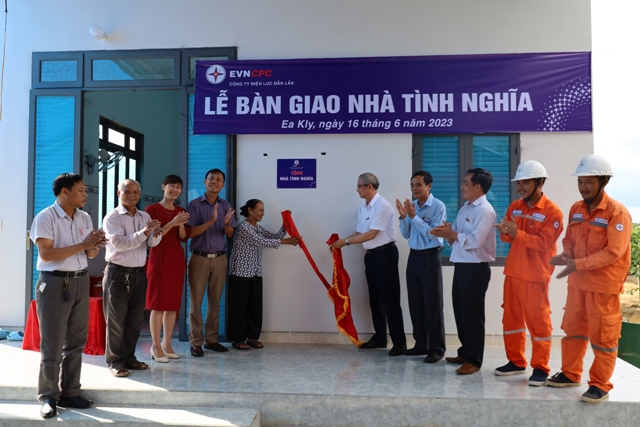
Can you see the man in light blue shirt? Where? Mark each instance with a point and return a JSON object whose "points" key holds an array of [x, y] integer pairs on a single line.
{"points": [[473, 241], [424, 267]]}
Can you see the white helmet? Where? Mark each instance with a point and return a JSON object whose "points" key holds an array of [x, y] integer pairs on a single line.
{"points": [[593, 165], [530, 169]]}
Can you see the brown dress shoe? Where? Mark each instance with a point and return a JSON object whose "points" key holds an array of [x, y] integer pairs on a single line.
{"points": [[467, 369], [457, 360], [196, 351], [216, 346]]}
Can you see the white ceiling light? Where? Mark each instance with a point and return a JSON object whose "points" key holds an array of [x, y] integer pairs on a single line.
{"points": [[98, 32]]}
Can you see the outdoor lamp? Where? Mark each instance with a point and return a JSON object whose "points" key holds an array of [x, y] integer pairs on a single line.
{"points": [[98, 32]]}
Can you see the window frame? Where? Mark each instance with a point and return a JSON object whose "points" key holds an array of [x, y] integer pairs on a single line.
{"points": [[465, 162], [128, 154], [36, 70]]}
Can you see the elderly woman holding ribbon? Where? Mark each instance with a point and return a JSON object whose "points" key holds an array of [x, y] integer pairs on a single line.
{"points": [[245, 275]]}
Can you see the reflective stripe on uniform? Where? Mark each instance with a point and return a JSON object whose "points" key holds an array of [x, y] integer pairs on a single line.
{"points": [[606, 350], [516, 331]]}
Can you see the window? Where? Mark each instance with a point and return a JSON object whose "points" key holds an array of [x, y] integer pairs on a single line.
{"points": [[448, 157], [132, 68], [56, 69], [120, 158]]}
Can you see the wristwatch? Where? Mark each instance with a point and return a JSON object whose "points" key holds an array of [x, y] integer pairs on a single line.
{"points": [[347, 242]]}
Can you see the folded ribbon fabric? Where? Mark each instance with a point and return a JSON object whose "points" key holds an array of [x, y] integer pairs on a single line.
{"points": [[338, 291]]}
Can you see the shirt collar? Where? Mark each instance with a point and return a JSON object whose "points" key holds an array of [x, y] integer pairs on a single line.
{"points": [[61, 213], [604, 203], [477, 201], [427, 202], [541, 202], [122, 210], [203, 198], [373, 201]]}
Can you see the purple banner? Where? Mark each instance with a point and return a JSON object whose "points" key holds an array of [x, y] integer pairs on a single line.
{"points": [[296, 173], [538, 92]]}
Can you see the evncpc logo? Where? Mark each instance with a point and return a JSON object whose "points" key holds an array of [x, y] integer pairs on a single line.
{"points": [[216, 74]]}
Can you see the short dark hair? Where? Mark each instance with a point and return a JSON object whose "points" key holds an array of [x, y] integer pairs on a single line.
{"points": [[251, 204], [66, 180], [426, 176], [215, 170], [172, 179], [482, 177]]}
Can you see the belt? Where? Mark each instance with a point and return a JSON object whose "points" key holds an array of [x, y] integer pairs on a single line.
{"points": [[381, 248], [423, 252], [126, 269], [470, 263], [206, 255], [72, 274]]}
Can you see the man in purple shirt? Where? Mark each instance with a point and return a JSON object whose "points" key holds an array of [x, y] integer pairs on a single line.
{"points": [[211, 223]]}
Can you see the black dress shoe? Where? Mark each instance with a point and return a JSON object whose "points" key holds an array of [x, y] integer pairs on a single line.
{"points": [[373, 344], [415, 351], [432, 358], [75, 402], [216, 346], [397, 350], [196, 351], [48, 408]]}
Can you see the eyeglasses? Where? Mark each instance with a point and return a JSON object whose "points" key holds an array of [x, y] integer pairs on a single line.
{"points": [[362, 185]]}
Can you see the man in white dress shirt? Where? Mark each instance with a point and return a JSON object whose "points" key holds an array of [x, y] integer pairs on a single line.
{"points": [[473, 242], [129, 231], [377, 233], [65, 239]]}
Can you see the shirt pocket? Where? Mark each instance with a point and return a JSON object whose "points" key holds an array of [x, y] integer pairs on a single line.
{"points": [[597, 239]]}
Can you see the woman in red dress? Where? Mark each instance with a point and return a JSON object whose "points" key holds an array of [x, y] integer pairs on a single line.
{"points": [[165, 271]]}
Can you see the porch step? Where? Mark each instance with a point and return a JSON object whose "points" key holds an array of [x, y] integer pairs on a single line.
{"points": [[28, 414]]}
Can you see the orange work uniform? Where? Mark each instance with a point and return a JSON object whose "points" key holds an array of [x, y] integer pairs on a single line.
{"points": [[599, 242], [526, 285]]}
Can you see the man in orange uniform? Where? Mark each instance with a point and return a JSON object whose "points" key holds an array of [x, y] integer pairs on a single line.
{"points": [[532, 225], [597, 255]]}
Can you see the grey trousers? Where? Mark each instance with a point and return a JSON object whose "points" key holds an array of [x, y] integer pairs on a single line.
{"points": [[63, 334], [124, 298]]}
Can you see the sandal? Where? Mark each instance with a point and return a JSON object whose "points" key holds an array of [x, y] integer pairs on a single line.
{"points": [[137, 366], [254, 343], [240, 345], [119, 373]]}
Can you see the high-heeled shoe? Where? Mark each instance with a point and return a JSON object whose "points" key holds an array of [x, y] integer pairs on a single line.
{"points": [[163, 359], [169, 355]]}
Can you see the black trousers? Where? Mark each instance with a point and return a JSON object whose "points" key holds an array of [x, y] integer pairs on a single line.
{"points": [[470, 283], [245, 308], [124, 298], [424, 289], [383, 281]]}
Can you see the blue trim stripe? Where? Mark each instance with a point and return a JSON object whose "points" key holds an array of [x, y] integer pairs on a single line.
{"points": [[205, 152], [54, 134]]}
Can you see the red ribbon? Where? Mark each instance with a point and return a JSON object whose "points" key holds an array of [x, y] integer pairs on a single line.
{"points": [[338, 291]]}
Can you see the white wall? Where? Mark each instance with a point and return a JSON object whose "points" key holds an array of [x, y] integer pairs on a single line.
{"points": [[292, 290], [289, 29]]}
